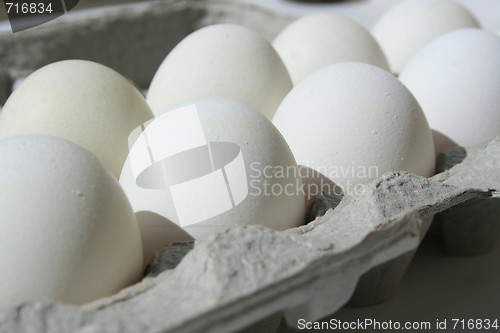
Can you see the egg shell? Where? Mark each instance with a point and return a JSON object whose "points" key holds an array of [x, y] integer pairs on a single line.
{"points": [[157, 232], [263, 151], [80, 101], [352, 122], [318, 40], [221, 60], [411, 24], [67, 230], [456, 80]]}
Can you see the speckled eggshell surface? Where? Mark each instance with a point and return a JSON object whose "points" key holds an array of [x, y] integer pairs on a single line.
{"points": [[411, 24], [353, 122], [224, 60], [248, 154], [67, 231], [456, 79], [318, 40], [80, 101]]}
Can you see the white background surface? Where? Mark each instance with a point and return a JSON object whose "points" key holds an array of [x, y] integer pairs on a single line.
{"points": [[366, 12]]}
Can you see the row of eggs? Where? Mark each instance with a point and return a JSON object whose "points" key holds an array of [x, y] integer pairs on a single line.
{"points": [[68, 228]]}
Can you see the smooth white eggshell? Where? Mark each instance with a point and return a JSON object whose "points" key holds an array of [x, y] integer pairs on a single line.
{"points": [[221, 60], [80, 101], [318, 40], [410, 24], [67, 231], [157, 232], [262, 146], [456, 80], [353, 122]]}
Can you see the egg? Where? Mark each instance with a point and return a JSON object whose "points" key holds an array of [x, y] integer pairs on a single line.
{"points": [[352, 122], [157, 232], [411, 24], [318, 40], [67, 230], [212, 163], [80, 101], [456, 80], [224, 60]]}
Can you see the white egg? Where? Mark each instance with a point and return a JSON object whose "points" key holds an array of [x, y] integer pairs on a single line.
{"points": [[157, 232], [212, 163], [67, 231], [411, 24], [80, 101], [352, 122], [456, 80], [221, 60], [318, 40]]}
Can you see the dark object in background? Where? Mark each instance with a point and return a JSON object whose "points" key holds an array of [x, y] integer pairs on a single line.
{"points": [[470, 228], [168, 257], [322, 1], [321, 203], [5, 86]]}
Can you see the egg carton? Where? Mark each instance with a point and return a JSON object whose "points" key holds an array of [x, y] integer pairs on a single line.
{"points": [[133, 38], [471, 227], [248, 278]]}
